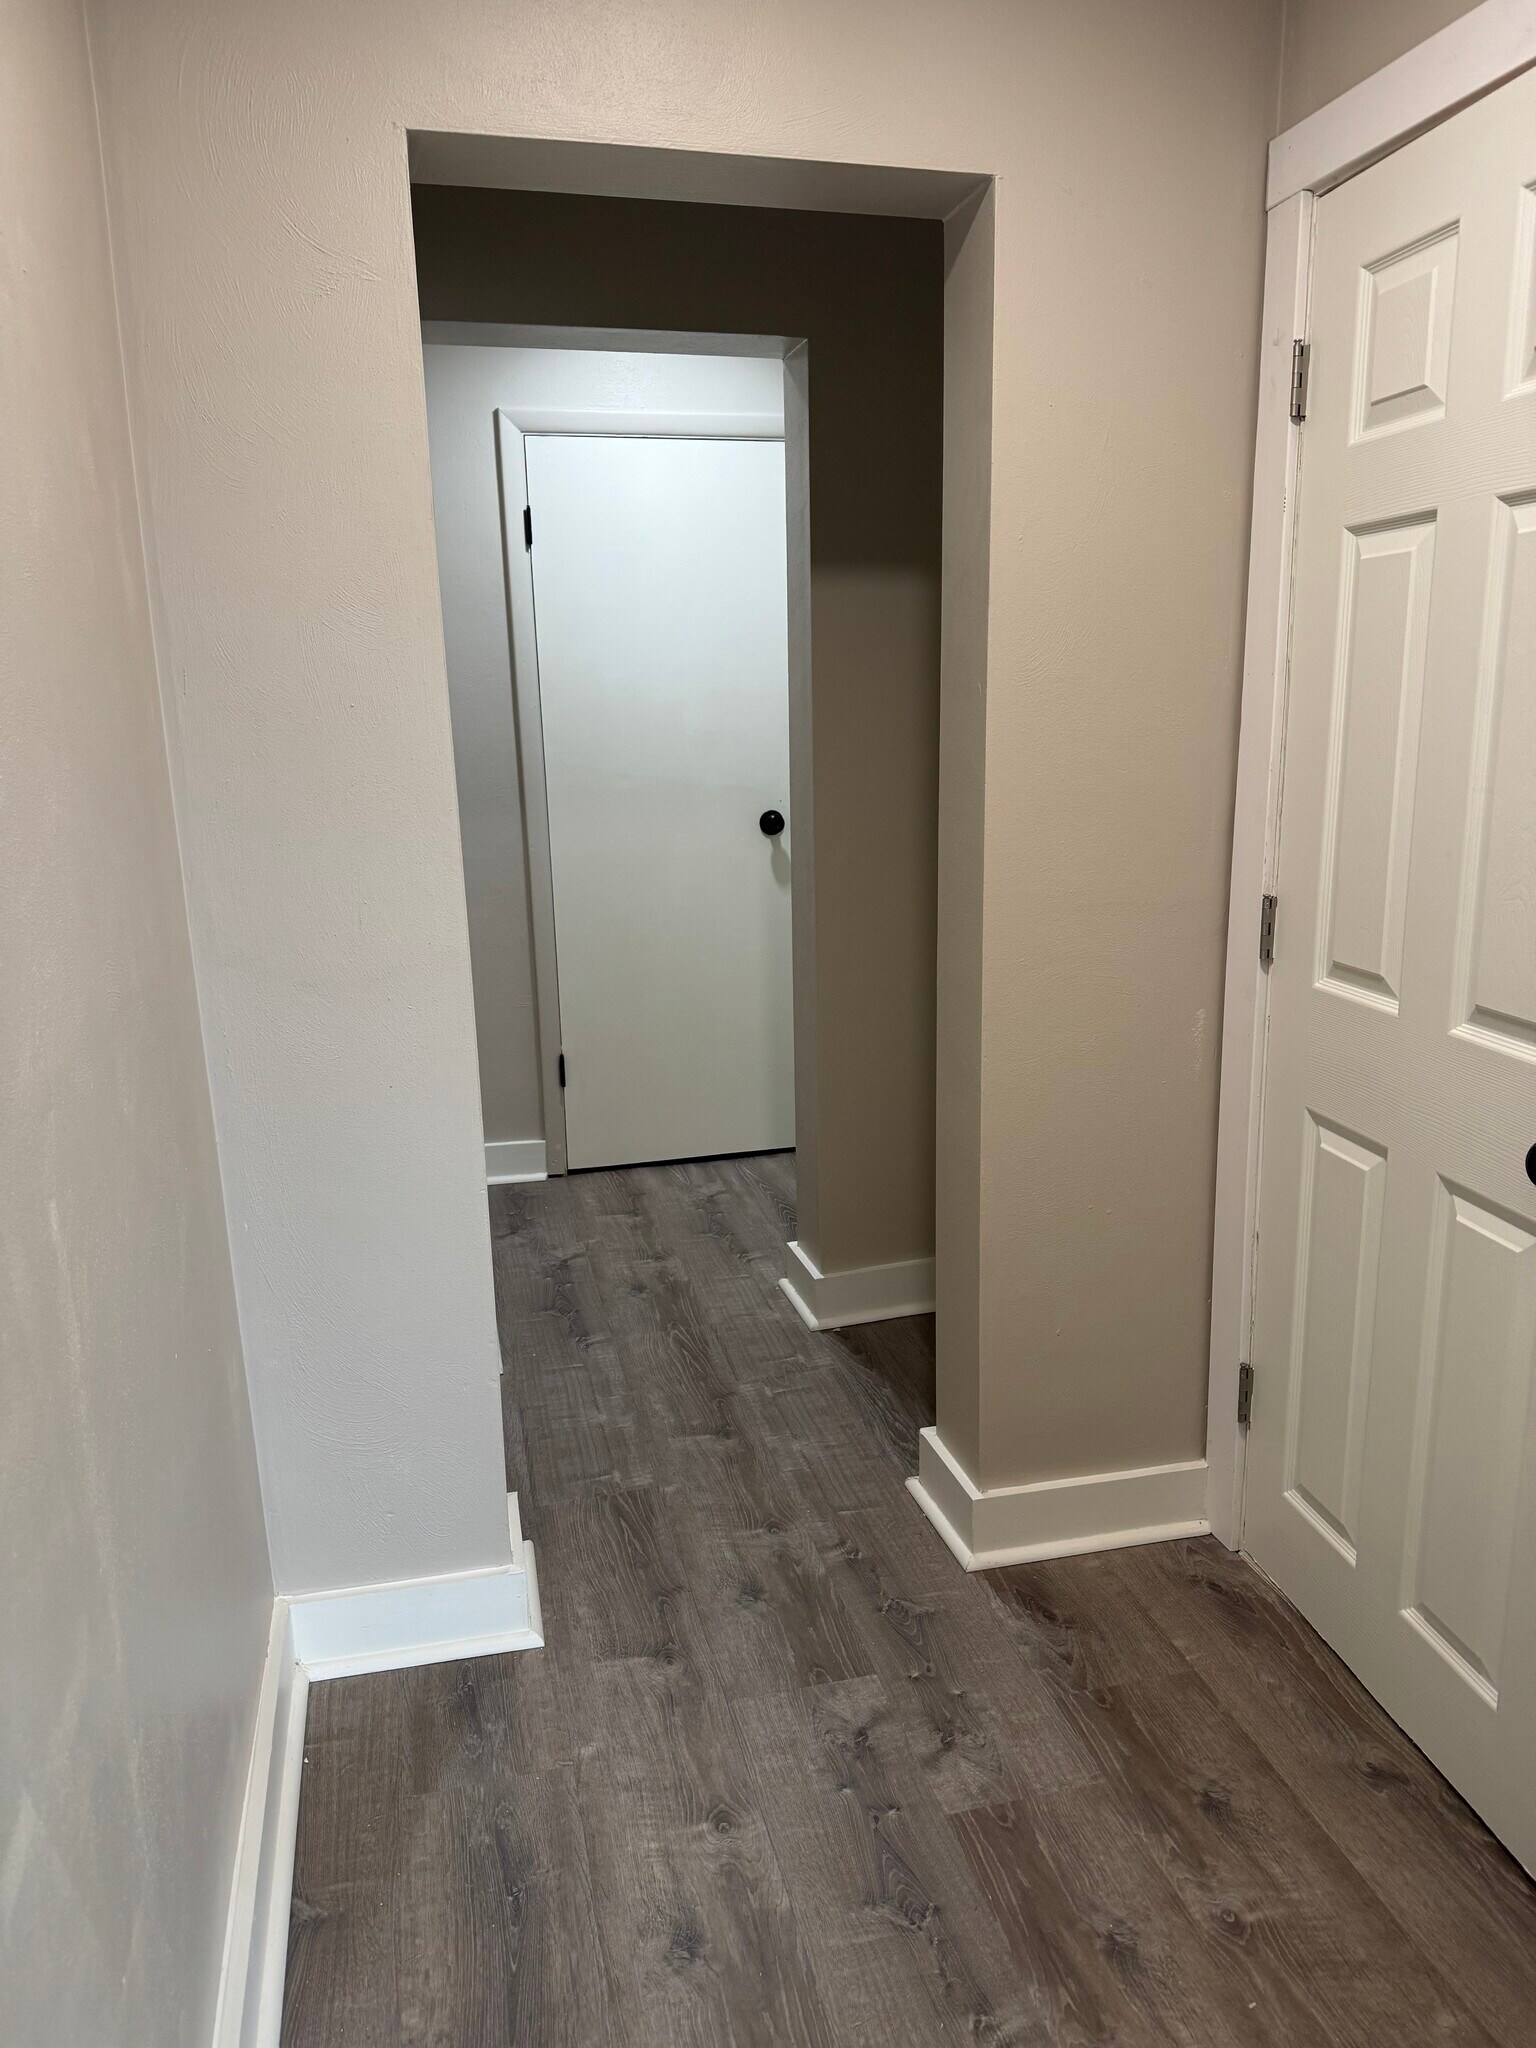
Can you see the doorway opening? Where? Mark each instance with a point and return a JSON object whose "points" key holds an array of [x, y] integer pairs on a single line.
{"points": [[642, 1011], [666, 309]]}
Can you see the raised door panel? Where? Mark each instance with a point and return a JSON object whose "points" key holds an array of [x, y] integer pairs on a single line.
{"points": [[1496, 975], [1343, 1188], [1373, 758], [1472, 1429], [1407, 306], [1522, 310]]}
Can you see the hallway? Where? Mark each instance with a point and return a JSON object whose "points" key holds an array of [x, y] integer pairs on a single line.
{"points": [[785, 1775]]}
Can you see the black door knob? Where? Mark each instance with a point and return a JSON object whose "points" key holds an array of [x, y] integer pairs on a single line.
{"points": [[771, 824], [1530, 1164]]}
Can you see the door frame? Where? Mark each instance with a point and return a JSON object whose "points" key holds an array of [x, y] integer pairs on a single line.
{"points": [[1470, 58], [513, 428]]}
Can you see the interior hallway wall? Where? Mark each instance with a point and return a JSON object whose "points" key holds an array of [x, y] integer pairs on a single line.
{"points": [[256, 154], [1331, 45], [867, 294], [135, 1592], [467, 380]]}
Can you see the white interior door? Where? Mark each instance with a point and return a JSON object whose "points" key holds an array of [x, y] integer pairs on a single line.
{"points": [[1391, 1478], [660, 607]]}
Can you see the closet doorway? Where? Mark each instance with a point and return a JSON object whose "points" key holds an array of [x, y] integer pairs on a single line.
{"points": [[619, 530], [646, 571]]}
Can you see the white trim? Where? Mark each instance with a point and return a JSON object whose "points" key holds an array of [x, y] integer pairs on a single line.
{"points": [[512, 484], [263, 2008], [333, 1635], [652, 425], [250, 2007], [513, 427], [1465, 60], [868, 1294], [1255, 831], [509, 1159], [1054, 1517], [422, 1621]]}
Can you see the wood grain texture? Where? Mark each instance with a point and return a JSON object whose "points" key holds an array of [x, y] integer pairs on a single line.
{"points": [[783, 1774]]}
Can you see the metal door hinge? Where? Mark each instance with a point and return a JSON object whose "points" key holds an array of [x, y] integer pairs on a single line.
{"points": [[527, 526], [562, 1070], [1267, 908], [1301, 371], [1244, 1396]]}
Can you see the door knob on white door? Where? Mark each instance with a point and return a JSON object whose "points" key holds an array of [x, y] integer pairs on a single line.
{"points": [[771, 824]]}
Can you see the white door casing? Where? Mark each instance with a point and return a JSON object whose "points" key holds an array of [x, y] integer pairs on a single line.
{"points": [[1391, 1467], [659, 592]]}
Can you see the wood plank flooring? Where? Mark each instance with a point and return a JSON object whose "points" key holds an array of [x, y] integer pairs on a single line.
{"points": [[785, 1775]]}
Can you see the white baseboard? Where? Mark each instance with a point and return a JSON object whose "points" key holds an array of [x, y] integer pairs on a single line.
{"points": [[869, 1294], [333, 1635], [515, 1159], [422, 1621], [1055, 1517], [250, 2007]]}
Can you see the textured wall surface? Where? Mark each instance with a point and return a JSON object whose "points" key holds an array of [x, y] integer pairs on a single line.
{"points": [[135, 1592], [256, 158], [1331, 45], [867, 296]]}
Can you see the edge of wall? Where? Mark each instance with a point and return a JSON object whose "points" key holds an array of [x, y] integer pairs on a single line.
{"points": [[332, 1635], [1055, 1517], [867, 1294], [508, 1159]]}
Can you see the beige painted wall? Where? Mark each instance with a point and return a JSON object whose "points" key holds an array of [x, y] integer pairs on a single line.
{"points": [[256, 155], [1331, 45], [135, 1591], [1117, 575], [867, 296]]}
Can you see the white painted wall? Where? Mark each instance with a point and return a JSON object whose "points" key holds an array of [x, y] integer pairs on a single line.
{"points": [[467, 379], [135, 1591]]}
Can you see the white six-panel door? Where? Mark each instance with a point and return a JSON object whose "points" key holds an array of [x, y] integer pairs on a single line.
{"points": [[661, 623], [1392, 1461]]}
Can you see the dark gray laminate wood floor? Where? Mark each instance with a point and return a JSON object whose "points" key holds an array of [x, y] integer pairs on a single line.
{"points": [[785, 1775]]}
